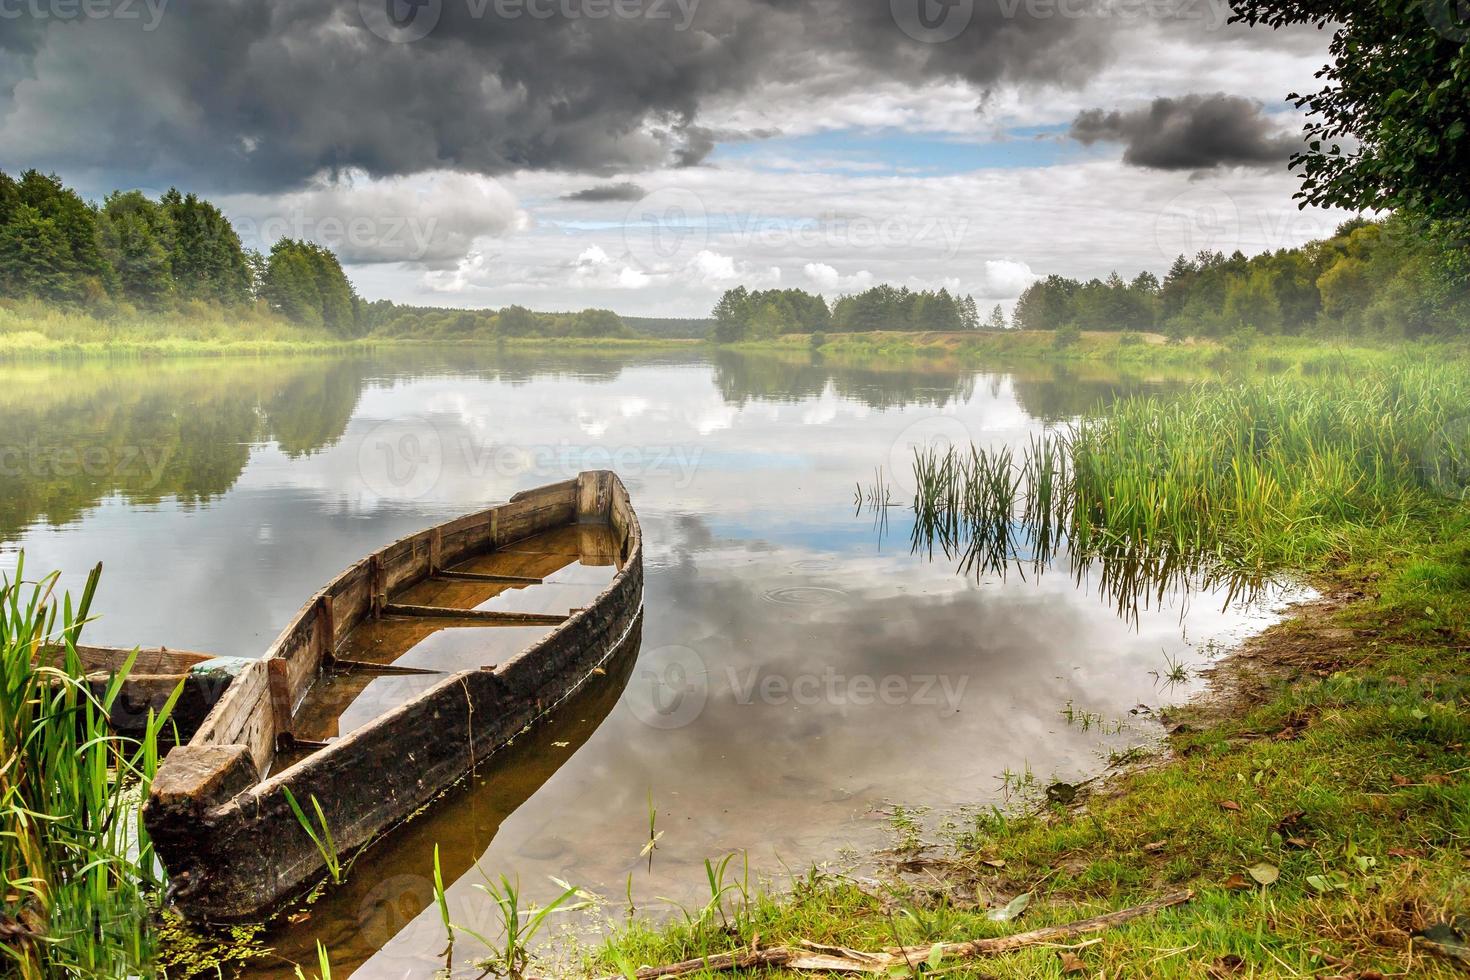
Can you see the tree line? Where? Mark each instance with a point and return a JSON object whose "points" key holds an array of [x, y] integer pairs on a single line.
{"points": [[384, 318], [131, 251], [743, 314], [1396, 277]]}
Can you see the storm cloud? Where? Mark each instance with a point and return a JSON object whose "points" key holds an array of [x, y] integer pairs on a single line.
{"points": [[268, 95], [1192, 132], [626, 191]]}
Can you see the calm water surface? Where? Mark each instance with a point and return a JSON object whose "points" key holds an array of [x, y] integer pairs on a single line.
{"points": [[799, 669]]}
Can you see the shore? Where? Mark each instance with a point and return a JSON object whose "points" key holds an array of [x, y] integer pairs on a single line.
{"points": [[1312, 803]]}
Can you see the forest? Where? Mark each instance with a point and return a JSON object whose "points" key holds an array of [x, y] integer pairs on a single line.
{"points": [[180, 255], [1391, 278], [742, 314]]}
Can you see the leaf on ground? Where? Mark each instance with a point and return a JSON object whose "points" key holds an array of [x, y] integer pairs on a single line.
{"points": [[1230, 805], [1012, 909], [995, 863], [1155, 847], [1236, 883], [1264, 874], [1072, 963], [1299, 843], [1323, 883], [1401, 780], [1225, 966], [1403, 853]]}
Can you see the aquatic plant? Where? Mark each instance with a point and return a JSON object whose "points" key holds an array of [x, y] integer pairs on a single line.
{"points": [[518, 927], [80, 879], [319, 832], [1219, 487]]}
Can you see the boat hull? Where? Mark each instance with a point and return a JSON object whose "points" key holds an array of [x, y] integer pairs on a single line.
{"points": [[233, 845]]}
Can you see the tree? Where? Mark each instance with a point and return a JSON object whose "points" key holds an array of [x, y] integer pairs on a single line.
{"points": [[134, 230], [1388, 129], [997, 319], [969, 313], [206, 257]]}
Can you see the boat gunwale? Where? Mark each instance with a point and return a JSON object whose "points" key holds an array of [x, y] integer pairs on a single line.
{"points": [[327, 754]]}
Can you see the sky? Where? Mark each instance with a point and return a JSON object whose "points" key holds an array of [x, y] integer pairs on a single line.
{"points": [[646, 155]]}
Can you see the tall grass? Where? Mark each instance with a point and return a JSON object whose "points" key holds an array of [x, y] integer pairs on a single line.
{"points": [[78, 867], [1227, 482]]}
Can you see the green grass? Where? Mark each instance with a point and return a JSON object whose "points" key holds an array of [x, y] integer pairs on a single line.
{"points": [[1332, 762], [80, 880], [31, 330], [1268, 355]]}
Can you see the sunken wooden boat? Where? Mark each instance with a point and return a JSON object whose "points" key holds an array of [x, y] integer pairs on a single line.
{"points": [[391, 684]]}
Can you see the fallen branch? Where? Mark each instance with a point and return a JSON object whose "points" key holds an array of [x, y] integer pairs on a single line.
{"points": [[816, 958]]}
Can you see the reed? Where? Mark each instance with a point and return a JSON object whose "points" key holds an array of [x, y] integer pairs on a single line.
{"points": [[80, 879], [1226, 483]]}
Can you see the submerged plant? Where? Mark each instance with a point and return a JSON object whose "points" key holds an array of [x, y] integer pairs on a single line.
{"points": [[319, 832], [80, 879]]}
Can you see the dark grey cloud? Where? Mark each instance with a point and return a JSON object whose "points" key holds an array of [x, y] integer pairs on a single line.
{"points": [[1192, 132], [626, 191], [262, 95]]}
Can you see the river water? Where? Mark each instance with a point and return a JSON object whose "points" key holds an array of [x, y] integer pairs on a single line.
{"points": [[801, 670]]}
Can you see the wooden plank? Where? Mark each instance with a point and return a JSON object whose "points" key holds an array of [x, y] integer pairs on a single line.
{"points": [[495, 579], [485, 616]]}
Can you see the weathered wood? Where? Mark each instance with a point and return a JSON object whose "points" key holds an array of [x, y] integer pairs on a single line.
{"points": [[237, 858], [362, 667], [494, 579], [484, 616]]}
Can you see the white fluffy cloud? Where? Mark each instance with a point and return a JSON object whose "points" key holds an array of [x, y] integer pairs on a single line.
{"points": [[432, 218], [829, 280], [1007, 279]]}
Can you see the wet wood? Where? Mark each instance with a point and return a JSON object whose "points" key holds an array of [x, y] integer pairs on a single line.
{"points": [[222, 824], [901, 960], [486, 616], [493, 579]]}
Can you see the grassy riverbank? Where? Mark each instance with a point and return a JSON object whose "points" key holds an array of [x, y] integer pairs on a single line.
{"points": [[33, 331], [1273, 353], [1316, 802]]}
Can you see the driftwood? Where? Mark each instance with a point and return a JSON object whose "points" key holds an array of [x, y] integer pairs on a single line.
{"points": [[816, 958]]}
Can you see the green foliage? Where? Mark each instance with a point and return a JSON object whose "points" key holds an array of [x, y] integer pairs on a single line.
{"points": [[744, 315], [888, 308], [78, 867], [205, 255], [1229, 484], [389, 320], [305, 283], [178, 251], [1387, 130], [1392, 278]]}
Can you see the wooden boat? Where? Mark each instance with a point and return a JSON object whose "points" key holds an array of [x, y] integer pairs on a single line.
{"points": [[391, 683]]}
